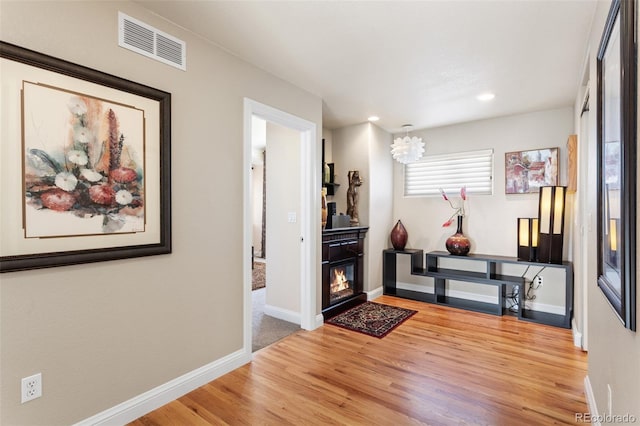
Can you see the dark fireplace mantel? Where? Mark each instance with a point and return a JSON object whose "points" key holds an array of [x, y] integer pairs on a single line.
{"points": [[342, 247]]}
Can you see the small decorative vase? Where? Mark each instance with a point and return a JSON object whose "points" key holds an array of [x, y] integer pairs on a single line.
{"points": [[324, 207], [399, 236], [458, 244]]}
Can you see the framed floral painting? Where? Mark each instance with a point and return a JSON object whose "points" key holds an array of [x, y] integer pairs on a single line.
{"points": [[84, 164]]}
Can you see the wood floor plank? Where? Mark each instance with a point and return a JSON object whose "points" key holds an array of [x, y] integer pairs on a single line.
{"points": [[443, 366]]}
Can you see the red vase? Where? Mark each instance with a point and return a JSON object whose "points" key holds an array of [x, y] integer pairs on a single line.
{"points": [[458, 244], [399, 236]]}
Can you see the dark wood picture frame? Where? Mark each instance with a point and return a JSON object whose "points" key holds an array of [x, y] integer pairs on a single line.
{"points": [[617, 157], [159, 241]]}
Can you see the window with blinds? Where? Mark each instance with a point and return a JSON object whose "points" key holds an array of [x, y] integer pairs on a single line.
{"points": [[473, 169]]}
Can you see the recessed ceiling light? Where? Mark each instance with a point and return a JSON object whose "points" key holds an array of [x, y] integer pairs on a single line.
{"points": [[373, 118], [486, 97]]}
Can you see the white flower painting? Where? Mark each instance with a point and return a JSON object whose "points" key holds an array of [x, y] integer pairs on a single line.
{"points": [[83, 166]]}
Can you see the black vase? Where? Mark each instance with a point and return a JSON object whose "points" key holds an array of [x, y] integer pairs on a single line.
{"points": [[399, 236], [458, 244]]}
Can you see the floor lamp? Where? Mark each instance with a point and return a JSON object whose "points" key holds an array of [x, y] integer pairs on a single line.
{"points": [[551, 208]]}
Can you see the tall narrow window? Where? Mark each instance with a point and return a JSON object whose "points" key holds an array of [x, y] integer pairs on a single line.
{"points": [[617, 157], [473, 169]]}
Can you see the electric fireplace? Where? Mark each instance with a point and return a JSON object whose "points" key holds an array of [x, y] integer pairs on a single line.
{"points": [[342, 281], [342, 269]]}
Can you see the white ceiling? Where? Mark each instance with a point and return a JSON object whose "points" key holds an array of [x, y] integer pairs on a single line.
{"points": [[420, 62]]}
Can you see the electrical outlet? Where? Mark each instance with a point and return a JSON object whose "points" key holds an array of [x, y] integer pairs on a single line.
{"points": [[538, 281], [31, 387]]}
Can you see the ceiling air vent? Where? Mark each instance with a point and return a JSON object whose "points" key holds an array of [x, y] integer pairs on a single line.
{"points": [[151, 42]]}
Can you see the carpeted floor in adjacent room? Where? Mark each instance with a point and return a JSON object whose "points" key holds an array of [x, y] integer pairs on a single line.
{"points": [[267, 329]]}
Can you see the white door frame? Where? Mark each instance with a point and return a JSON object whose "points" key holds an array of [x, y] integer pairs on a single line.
{"points": [[309, 210], [588, 251]]}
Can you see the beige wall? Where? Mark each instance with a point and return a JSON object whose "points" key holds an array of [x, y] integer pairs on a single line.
{"points": [[350, 151], [380, 182], [365, 147], [614, 351], [327, 135], [106, 332]]}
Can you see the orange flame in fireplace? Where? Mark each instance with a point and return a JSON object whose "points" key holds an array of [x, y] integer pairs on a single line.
{"points": [[339, 281]]}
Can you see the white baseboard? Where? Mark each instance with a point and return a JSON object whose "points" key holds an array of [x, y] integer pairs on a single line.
{"points": [[374, 294], [283, 314], [319, 320], [453, 293], [591, 402], [428, 288], [577, 335], [542, 307], [155, 398]]}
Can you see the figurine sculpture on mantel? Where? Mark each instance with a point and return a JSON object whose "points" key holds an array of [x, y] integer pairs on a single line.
{"points": [[352, 197]]}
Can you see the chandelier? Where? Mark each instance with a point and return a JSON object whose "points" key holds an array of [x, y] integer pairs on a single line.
{"points": [[407, 150]]}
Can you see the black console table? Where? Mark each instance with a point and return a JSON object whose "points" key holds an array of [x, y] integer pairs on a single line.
{"points": [[488, 276]]}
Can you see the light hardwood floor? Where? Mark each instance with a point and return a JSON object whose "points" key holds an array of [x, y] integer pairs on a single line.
{"points": [[443, 366]]}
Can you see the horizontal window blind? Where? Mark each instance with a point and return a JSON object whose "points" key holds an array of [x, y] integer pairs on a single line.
{"points": [[473, 169]]}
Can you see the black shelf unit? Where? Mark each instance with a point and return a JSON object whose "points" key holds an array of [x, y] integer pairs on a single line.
{"points": [[489, 276], [389, 275], [331, 185]]}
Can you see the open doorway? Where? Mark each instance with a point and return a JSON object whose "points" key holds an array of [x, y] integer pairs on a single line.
{"points": [[296, 239], [275, 179]]}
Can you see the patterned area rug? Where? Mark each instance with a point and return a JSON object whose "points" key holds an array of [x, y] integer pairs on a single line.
{"points": [[374, 319], [258, 276]]}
